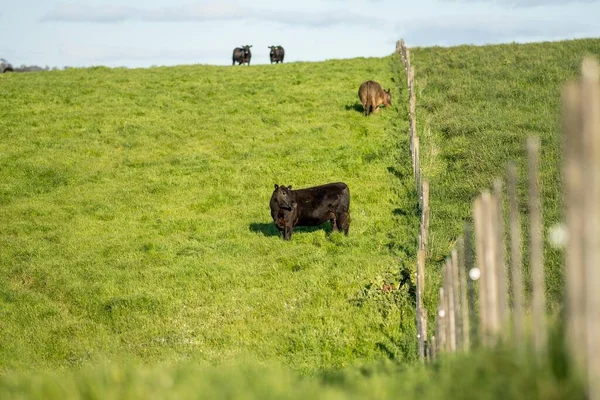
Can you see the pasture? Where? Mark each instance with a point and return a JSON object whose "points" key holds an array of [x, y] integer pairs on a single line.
{"points": [[137, 253], [135, 217]]}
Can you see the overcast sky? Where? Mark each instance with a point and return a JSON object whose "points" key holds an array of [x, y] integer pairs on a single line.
{"points": [[139, 33]]}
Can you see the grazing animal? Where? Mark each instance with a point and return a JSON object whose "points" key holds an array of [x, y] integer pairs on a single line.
{"points": [[5, 66], [310, 207], [242, 55], [371, 96], [277, 53]]}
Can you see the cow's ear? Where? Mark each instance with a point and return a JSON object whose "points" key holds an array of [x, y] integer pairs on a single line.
{"points": [[276, 186], [290, 187]]}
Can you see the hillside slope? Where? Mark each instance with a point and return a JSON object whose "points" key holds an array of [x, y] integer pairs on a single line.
{"points": [[134, 219], [476, 108]]}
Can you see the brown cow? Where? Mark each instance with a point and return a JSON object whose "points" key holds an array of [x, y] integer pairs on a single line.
{"points": [[371, 96]]}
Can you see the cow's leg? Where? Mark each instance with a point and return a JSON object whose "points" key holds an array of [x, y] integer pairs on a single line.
{"points": [[375, 109], [343, 222], [333, 219], [289, 229]]}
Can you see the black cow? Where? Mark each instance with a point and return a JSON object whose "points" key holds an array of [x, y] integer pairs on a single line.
{"points": [[5, 66], [310, 207], [242, 55], [277, 53]]}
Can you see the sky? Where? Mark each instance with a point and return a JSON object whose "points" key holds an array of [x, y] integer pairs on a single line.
{"points": [[143, 33]]}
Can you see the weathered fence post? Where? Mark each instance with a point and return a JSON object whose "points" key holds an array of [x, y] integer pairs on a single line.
{"points": [[456, 299], [442, 325], [573, 170], [425, 217], [590, 109], [503, 314], [450, 302], [426, 348], [490, 272], [536, 250], [479, 218], [464, 306], [421, 327], [473, 321], [516, 265]]}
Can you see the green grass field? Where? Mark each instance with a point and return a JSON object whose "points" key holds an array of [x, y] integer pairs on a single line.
{"points": [[135, 221], [476, 107], [137, 253]]}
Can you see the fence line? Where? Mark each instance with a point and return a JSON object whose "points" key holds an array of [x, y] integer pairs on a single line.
{"points": [[502, 308], [422, 189]]}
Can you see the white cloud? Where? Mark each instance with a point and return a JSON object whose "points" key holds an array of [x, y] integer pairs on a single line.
{"points": [[71, 12], [198, 12]]}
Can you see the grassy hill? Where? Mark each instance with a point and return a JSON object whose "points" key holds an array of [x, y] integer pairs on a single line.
{"points": [[134, 217], [477, 106], [135, 229]]}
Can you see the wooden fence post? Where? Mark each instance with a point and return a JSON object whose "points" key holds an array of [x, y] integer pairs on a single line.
{"points": [[416, 166], [442, 317], [536, 250], [503, 314], [450, 302], [590, 109], [426, 349], [473, 321], [456, 299], [490, 272], [421, 330], [464, 306], [516, 265], [479, 218], [425, 217]]}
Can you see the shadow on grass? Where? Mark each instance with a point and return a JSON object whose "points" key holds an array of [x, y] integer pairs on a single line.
{"points": [[356, 107], [269, 229]]}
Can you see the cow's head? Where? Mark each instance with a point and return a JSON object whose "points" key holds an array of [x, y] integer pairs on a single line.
{"points": [[273, 50], [247, 49], [283, 197], [387, 97]]}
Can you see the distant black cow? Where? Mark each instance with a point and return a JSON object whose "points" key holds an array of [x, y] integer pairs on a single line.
{"points": [[277, 54], [310, 207], [242, 55], [5, 66]]}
